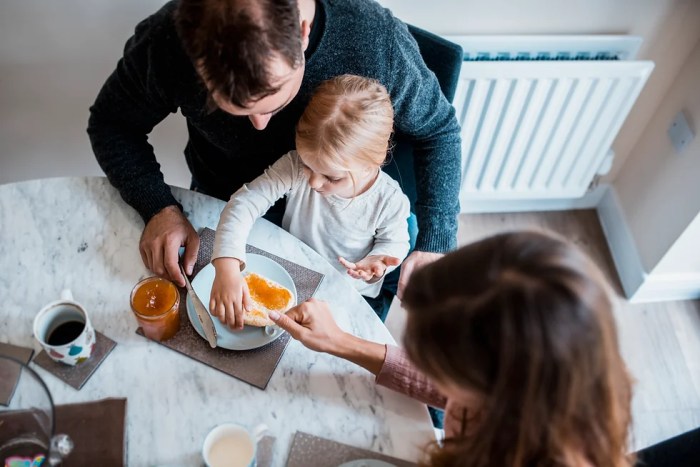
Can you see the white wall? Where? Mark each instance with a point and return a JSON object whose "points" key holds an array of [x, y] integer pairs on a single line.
{"points": [[54, 57], [683, 258], [669, 29], [659, 190]]}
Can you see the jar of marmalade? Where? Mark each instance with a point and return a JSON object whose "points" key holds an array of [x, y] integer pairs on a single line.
{"points": [[156, 304]]}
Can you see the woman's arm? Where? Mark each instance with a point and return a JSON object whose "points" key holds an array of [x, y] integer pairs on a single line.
{"points": [[312, 324]]}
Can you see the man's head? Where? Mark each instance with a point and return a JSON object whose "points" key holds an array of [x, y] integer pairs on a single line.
{"points": [[249, 53]]}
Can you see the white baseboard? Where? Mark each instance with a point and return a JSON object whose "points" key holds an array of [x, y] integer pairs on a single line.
{"points": [[668, 287], [621, 243], [589, 201], [639, 285]]}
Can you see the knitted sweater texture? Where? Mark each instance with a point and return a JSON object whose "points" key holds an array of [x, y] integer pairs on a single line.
{"points": [[155, 78]]}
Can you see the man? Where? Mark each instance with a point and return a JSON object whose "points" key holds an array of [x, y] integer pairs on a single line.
{"points": [[241, 72]]}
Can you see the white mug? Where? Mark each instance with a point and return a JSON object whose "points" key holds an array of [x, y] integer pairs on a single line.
{"points": [[63, 329], [231, 445]]}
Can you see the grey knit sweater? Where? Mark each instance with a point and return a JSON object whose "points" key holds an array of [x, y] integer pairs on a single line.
{"points": [[155, 78]]}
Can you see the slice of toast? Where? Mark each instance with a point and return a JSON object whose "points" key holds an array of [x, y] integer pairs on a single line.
{"points": [[267, 296]]}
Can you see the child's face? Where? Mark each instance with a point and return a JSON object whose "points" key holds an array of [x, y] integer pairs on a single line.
{"points": [[327, 181]]}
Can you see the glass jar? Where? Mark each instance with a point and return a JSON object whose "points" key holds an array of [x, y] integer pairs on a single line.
{"points": [[156, 304]]}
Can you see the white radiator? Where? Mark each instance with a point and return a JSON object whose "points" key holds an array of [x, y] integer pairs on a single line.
{"points": [[539, 114]]}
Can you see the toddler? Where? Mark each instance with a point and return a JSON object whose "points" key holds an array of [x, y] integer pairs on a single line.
{"points": [[339, 202]]}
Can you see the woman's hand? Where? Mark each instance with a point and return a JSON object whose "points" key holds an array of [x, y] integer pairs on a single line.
{"points": [[371, 268], [229, 293], [312, 324]]}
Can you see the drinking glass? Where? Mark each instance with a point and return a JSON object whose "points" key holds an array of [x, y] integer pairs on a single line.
{"points": [[27, 424]]}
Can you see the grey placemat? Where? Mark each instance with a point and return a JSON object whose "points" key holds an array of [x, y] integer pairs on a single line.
{"points": [[78, 375], [255, 366], [309, 450], [9, 374], [265, 453]]}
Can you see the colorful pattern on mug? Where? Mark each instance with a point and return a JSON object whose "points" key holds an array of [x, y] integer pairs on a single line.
{"points": [[16, 461]]}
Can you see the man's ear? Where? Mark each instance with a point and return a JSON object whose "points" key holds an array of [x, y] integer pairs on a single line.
{"points": [[305, 32]]}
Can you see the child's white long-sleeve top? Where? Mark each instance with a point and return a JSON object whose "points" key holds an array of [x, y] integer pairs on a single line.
{"points": [[373, 223]]}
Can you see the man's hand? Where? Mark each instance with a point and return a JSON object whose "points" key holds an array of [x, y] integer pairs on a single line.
{"points": [[371, 268], [230, 296], [161, 240], [414, 261]]}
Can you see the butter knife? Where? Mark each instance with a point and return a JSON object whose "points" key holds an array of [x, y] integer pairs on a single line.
{"points": [[202, 312]]}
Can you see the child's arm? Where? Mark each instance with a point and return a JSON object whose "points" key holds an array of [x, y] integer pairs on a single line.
{"points": [[229, 295], [391, 242], [371, 268], [250, 202]]}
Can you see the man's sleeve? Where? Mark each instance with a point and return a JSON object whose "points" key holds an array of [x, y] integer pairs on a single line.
{"points": [[131, 102], [427, 119]]}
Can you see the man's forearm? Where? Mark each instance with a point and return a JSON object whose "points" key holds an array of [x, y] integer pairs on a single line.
{"points": [[437, 204], [131, 167]]}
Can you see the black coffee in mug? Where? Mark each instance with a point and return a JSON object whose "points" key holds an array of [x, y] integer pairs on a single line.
{"points": [[65, 333]]}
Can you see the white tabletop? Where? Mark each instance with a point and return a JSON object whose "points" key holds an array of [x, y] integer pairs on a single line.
{"points": [[77, 233]]}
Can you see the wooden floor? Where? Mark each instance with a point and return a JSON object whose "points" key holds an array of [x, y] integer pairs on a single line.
{"points": [[660, 341]]}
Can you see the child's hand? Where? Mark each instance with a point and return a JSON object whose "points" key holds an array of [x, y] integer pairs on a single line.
{"points": [[229, 294], [371, 268]]}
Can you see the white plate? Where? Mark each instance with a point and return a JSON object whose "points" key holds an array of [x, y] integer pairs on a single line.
{"points": [[367, 463], [250, 337]]}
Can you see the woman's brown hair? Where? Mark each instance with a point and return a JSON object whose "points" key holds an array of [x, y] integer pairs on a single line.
{"points": [[525, 319]]}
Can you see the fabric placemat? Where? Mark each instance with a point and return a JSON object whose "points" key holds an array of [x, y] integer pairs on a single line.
{"points": [[97, 431], [254, 366], [309, 450], [9, 374], [78, 375], [265, 453]]}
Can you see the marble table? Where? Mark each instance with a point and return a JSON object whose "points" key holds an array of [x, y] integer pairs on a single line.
{"points": [[77, 233]]}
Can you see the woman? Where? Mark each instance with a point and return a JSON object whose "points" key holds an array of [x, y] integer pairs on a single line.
{"points": [[514, 336]]}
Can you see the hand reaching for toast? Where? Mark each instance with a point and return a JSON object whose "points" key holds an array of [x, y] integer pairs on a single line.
{"points": [[371, 268], [312, 324], [230, 296]]}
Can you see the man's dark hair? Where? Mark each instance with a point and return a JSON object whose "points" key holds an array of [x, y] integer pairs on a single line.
{"points": [[231, 43]]}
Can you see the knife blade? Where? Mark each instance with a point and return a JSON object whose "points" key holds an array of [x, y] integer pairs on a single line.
{"points": [[202, 312]]}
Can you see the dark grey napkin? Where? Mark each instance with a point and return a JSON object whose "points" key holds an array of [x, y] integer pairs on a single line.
{"points": [[97, 430], [254, 366], [9, 374], [321, 452]]}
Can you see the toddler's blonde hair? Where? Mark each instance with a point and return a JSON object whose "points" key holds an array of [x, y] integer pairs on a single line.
{"points": [[347, 124]]}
